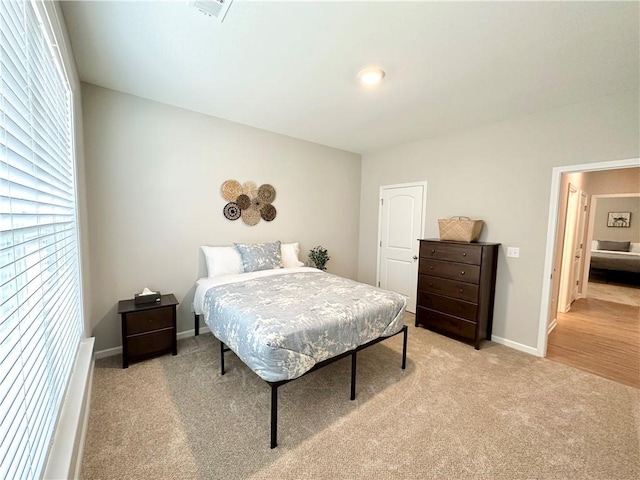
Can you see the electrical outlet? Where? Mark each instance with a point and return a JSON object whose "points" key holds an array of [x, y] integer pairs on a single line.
{"points": [[513, 252]]}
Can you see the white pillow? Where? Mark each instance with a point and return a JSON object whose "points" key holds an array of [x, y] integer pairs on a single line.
{"points": [[289, 252], [222, 261]]}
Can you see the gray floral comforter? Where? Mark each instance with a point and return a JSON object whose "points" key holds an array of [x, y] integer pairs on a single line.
{"points": [[282, 325]]}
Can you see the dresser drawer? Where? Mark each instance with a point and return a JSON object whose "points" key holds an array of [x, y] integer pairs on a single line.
{"points": [[447, 324], [149, 320], [454, 271], [452, 252], [140, 345], [458, 308], [449, 288]]}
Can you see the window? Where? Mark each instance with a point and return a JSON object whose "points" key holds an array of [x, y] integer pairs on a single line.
{"points": [[40, 306]]}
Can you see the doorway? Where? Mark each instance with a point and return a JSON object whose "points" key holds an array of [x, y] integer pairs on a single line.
{"points": [[548, 306], [401, 223]]}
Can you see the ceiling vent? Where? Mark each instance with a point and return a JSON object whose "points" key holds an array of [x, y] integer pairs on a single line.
{"points": [[213, 8]]}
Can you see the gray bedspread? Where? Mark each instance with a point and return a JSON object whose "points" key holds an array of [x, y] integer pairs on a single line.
{"points": [[615, 261], [281, 326]]}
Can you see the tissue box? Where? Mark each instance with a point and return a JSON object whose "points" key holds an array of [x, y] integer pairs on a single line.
{"points": [[144, 299]]}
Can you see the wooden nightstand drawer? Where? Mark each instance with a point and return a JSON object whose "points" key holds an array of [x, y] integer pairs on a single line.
{"points": [[442, 323], [454, 271], [449, 288], [141, 345], [149, 320], [465, 310], [148, 329], [464, 253]]}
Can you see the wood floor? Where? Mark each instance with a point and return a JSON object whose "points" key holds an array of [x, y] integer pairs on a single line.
{"points": [[601, 336]]}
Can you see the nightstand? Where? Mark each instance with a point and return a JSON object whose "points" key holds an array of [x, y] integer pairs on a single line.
{"points": [[148, 329]]}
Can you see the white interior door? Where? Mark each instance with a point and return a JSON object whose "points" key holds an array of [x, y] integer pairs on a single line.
{"points": [[401, 225], [578, 251], [568, 251]]}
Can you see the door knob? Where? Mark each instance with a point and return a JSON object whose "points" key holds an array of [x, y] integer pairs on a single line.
{"points": [[415, 257]]}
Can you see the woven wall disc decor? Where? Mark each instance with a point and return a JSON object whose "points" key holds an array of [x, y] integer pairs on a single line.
{"points": [[268, 212], [250, 216], [250, 189], [256, 203], [230, 190], [243, 201], [231, 211], [248, 201], [266, 193]]}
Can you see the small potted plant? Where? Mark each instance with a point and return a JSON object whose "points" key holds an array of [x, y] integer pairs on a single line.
{"points": [[319, 257]]}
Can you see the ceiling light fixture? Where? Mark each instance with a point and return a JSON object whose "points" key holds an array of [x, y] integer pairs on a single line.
{"points": [[371, 76]]}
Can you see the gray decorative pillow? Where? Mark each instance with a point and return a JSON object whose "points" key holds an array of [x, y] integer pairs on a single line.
{"points": [[260, 256], [613, 246]]}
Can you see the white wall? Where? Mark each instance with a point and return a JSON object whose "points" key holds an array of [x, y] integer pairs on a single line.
{"points": [[501, 173], [153, 188]]}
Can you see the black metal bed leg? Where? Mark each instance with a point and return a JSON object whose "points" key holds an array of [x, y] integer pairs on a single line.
{"points": [[404, 348], [353, 375], [221, 358], [196, 323], [274, 416]]}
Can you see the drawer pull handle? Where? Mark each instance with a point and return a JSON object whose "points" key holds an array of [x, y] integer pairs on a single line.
{"points": [[431, 284], [462, 272], [433, 251], [430, 267], [464, 254], [460, 290]]}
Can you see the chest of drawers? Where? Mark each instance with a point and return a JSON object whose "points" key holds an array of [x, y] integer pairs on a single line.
{"points": [[456, 289]]}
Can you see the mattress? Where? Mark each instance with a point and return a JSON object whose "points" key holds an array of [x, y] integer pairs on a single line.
{"points": [[282, 322], [620, 261]]}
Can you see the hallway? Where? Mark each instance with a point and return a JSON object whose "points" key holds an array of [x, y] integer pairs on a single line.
{"points": [[601, 334]]}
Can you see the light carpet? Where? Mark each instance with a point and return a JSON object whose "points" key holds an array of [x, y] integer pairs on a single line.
{"points": [[455, 412]]}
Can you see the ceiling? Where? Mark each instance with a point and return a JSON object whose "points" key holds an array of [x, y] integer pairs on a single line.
{"points": [[290, 67]]}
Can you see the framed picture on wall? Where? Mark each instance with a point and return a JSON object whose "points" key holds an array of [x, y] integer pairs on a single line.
{"points": [[619, 219]]}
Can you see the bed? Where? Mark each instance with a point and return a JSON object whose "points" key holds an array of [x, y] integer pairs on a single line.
{"points": [[616, 260], [284, 320]]}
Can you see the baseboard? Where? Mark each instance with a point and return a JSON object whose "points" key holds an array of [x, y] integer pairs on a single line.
{"points": [[192, 332], [110, 352], [65, 454], [552, 325], [515, 345]]}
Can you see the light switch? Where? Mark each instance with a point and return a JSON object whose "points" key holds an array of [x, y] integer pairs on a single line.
{"points": [[513, 252]]}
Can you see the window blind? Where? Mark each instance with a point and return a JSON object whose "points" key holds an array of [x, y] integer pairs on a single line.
{"points": [[40, 309]]}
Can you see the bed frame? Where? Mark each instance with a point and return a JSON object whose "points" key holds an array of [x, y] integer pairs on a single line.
{"points": [[275, 385]]}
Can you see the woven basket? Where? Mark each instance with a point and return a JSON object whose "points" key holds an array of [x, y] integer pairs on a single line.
{"points": [[460, 229], [230, 190]]}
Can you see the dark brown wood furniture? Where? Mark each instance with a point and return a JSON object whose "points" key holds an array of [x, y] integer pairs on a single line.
{"points": [[148, 329], [456, 288]]}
